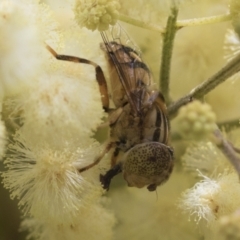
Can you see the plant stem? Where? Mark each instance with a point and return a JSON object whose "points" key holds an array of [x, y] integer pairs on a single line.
{"points": [[138, 23], [228, 150], [203, 21], [167, 49], [229, 125], [202, 89], [179, 23]]}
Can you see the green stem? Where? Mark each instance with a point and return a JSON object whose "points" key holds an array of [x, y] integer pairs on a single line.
{"points": [[229, 125], [202, 89], [167, 49], [203, 21]]}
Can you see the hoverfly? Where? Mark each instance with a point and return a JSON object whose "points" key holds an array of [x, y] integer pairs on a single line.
{"points": [[139, 126]]}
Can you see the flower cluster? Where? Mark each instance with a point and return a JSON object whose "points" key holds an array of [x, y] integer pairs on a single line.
{"points": [[96, 14], [196, 120], [216, 196]]}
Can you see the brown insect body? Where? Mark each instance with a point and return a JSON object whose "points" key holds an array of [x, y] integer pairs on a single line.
{"points": [[140, 128]]}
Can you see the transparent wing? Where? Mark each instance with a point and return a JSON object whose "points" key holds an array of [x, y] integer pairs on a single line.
{"points": [[133, 73]]}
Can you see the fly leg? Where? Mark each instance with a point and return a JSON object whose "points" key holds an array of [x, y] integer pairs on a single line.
{"points": [[114, 157], [116, 169], [98, 71], [99, 158], [107, 177]]}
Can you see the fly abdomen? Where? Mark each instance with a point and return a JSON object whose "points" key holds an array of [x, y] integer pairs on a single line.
{"points": [[155, 126]]}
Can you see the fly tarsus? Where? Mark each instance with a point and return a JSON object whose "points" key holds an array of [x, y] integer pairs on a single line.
{"points": [[107, 177]]}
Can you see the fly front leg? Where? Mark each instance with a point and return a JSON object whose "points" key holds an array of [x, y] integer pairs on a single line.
{"points": [[116, 169], [98, 71], [99, 158], [114, 114], [107, 177]]}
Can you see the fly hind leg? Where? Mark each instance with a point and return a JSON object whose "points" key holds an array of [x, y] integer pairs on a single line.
{"points": [[98, 71]]}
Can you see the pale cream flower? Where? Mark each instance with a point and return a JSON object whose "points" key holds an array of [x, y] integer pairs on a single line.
{"points": [[211, 199], [199, 201], [24, 27], [98, 14], [63, 13], [58, 116], [20, 45], [206, 157], [218, 193], [59, 107], [94, 222], [47, 182], [198, 50], [154, 12], [49, 26], [65, 101]]}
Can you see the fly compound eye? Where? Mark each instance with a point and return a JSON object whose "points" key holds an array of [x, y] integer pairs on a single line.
{"points": [[147, 164]]}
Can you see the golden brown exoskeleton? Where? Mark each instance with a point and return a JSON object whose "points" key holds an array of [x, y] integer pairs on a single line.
{"points": [[139, 127]]}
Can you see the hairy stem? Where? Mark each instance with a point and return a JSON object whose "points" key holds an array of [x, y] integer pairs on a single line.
{"points": [[202, 89], [203, 21], [167, 49]]}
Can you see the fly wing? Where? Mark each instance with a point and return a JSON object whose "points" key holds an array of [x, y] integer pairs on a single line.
{"points": [[133, 75]]}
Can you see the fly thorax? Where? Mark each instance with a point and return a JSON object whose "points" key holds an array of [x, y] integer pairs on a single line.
{"points": [[127, 130]]}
